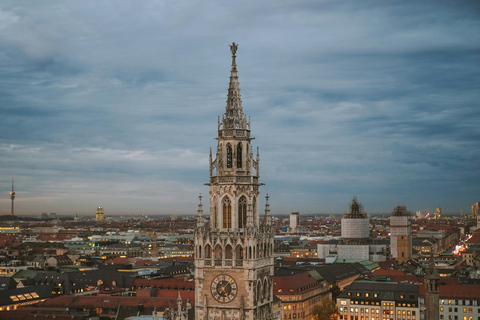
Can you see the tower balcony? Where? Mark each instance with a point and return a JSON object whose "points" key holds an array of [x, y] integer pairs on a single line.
{"points": [[234, 179]]}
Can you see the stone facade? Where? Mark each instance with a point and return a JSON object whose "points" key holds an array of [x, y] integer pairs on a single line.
{"points": [[234, 252]]}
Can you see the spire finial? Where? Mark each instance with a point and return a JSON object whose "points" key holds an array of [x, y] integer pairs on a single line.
{"points": [[268, 217], [234, 48]]}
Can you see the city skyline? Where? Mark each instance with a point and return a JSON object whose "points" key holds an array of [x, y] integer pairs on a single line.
{"points": [[115, 104]]}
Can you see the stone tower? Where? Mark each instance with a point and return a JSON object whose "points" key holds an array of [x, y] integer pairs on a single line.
{"points": [[401, 234], [432, 292], [234, 252]]}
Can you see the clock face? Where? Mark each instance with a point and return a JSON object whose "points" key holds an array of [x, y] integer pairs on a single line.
{"points": [[224, 288]]}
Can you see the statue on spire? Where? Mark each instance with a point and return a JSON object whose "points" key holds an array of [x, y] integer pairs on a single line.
{"points": [[234, 48]]}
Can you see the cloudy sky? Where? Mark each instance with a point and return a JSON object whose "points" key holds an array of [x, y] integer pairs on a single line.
{"points": [[115, 103]]}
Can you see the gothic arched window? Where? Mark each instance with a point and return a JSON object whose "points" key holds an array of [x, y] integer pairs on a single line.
{"points": [[229, 156], [227, 213], [239, 252], [242, 212], [218, 252], [239, 155], [228, 252], [208, 251]]}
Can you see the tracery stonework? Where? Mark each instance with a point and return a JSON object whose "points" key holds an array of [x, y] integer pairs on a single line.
{"points": [[234, 252]]}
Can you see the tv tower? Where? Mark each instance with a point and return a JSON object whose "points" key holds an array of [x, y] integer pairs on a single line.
{"points": [[12, 196]]}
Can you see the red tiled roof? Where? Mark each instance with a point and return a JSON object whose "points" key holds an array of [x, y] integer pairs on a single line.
{"points": [[4, 239], [458, 291], [174, 294], [54, 237], [293, 284], [112, 302], [60, 301], [383, 272], [405, 278], [176, 283], [474, 239], [290, 259]]}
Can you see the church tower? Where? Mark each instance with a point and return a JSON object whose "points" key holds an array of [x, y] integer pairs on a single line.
{"points": [[234, 252], [432, 292]]}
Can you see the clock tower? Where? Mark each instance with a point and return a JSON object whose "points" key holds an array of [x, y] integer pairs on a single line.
{"points": [[234, 252]]}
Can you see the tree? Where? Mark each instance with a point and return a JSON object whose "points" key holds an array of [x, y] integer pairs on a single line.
{"points": [[326, 310]]}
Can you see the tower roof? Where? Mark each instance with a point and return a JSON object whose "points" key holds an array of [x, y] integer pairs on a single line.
{"points": [[234, 117]]}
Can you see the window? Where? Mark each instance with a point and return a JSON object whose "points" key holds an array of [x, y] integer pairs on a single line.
{"points": [[242, 212], [227, 213], [229, 156], [239, 155]]}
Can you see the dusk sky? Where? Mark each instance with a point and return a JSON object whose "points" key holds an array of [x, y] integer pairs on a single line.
{"points": [[115, 103]]}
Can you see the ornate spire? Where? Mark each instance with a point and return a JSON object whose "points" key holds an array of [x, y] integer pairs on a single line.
{"points": [[268, 217], [234, 117], [200, 221]]}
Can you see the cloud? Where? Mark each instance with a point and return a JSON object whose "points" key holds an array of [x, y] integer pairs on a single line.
{"points": [[119, 101]]}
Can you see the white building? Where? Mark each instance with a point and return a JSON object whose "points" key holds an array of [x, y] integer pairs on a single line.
{"points": [[294, 220], [355, 242]]}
